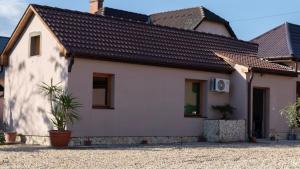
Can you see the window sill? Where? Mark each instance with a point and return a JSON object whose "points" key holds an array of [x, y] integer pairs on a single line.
{"points": [[194, 116], [103, 107], [35, 55]]}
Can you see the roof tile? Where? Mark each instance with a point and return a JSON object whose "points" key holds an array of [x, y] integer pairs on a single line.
{"points": [[258, 64], [280, 42]]}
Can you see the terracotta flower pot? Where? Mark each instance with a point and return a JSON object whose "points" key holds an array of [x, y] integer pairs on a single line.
{"points": [[10, 137], [60, 139]]}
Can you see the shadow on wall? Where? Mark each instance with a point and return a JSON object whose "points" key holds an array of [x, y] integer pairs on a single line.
{"points": [[20, 117]]}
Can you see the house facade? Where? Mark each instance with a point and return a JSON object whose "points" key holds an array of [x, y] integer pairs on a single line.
{"points": [[137, 80]]}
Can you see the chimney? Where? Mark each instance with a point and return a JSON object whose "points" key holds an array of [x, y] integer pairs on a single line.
{"points": [[96, 6]]}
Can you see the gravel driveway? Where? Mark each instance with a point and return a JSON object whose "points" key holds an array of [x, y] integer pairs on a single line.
{"points": [[202, 155]]}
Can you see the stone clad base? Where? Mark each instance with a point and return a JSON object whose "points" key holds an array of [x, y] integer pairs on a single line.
{"points": [[79, 141], [132, 140], [225, 130]]}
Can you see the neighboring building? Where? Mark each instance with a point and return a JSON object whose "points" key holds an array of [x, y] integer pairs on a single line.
{"points": [[197, 18], [3, 41], [137, 80], [281, 45]]}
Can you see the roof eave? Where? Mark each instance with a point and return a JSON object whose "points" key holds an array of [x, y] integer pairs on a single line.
{"points": [[207, 68], [275, 72], [17, 33], [281, 58]]}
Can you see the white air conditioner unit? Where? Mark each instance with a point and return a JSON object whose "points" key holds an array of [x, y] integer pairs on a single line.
{"points": [[220, 85]]}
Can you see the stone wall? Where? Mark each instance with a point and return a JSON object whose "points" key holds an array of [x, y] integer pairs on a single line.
{"points": [[225, 130], [132, 140], [79, 141]]}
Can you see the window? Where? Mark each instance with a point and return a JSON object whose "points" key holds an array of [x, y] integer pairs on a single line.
{"points": [[1, 91], [102, 91], [35, 45], [194, 98]]}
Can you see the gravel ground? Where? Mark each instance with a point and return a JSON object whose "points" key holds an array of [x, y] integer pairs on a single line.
{"points": [[202, 155]]}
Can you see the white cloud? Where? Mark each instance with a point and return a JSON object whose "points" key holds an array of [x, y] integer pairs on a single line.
{"points": [[12, 9]]}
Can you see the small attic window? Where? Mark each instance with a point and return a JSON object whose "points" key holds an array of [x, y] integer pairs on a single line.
{"points": [[35, 44]]}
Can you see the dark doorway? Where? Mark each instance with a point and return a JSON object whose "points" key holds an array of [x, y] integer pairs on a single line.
{"points": [[259, 112], [298, 90]]}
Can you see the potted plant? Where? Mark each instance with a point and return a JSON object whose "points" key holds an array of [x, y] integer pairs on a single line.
{"points": [[88, 142], [2, 137], [291, 113], [224, 129], [272, 135], [10, 136], [225, 110], [64, 110]]}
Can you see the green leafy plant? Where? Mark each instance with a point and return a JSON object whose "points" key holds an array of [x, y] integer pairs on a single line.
{"points": [[225, 110], [190, 109], [2, 137], [63, 105], [291, 113], [4, 127]]}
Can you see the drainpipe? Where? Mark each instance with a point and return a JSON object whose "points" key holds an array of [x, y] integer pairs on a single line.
{"points": [[249, 102], [71, 56]]}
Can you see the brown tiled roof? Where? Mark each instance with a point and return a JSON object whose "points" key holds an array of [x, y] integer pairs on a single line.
{"points": [[257, 64], [189, 18], [280, 43], [106, 38]]}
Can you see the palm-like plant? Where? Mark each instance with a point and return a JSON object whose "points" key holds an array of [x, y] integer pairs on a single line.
{"points": [[63, 105], [291, 113]]}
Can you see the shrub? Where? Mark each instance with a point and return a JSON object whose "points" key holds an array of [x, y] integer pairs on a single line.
{"points": [[225, 110], [291, 113], [63, 105], [2, 137]]}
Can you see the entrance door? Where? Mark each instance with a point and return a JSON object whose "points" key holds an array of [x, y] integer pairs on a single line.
{"points": [[259, 112]]}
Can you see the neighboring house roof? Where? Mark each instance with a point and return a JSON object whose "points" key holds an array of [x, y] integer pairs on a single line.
{"points": [[126, 15], [3, 41], [189, 19], [282, 42], [257, 64]]}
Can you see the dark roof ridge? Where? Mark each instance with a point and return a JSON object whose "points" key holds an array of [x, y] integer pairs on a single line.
{"points": [[128, 15], [124, 11], [277, 27], [176, 10], [292, 24], [204, 14], [288, 38], [150, 25]]}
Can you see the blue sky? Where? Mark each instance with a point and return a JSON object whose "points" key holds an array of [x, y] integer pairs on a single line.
{"points": [[248, 18]]}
